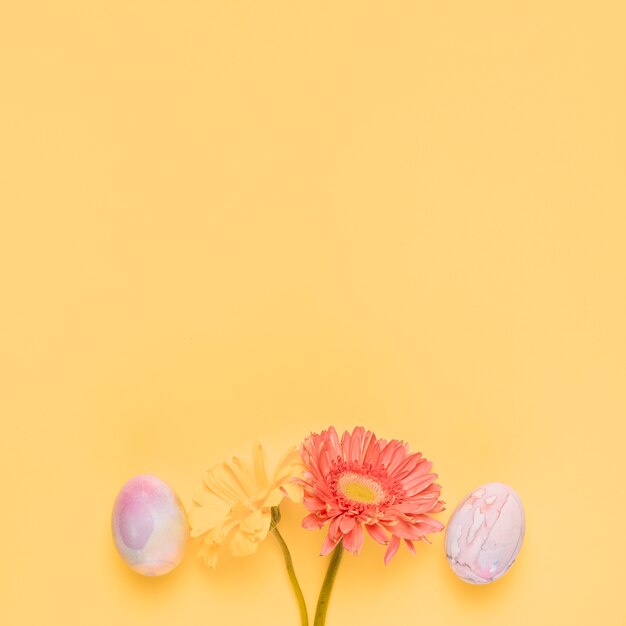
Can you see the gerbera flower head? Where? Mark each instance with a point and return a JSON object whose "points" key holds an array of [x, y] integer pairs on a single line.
{"points": [[234, 505], [361, 482]]}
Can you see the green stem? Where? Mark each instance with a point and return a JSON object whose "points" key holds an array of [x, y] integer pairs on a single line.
{"points": [[327, 586], [304, 618]]}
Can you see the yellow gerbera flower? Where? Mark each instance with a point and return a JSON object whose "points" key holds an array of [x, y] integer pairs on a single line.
{"points": [[234, 505]]}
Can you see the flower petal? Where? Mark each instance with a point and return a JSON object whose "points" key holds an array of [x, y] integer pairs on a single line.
{"points": [[346, 524], [392, 548], [329, 545], [334, 530], [293, 491], [258, 459], [312, 522], [377, 533], [353, 541], [404, 530], [224, 484], [254, 522], [242, 544], [415, 483], [209, 553], [243, 473], [356, 442], [429, 525], [273, 498], [207, 516]]}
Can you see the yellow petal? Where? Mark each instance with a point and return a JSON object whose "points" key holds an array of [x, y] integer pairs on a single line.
{"points": [[242, 544], [260, 475], [209, 554], [223, 531], [257, 523], [206, 514], [290, 466], [243, 473], [253, 522], [221, 480], [273, 498], [294, 491]]}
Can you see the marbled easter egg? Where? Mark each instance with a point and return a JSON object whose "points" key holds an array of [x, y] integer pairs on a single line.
{"points": [[149, 525], [485, 533]]}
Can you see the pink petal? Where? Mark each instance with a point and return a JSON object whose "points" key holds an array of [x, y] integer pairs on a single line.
{"points": [[312, 522], [392, 548], [438, 507], [346, 524], [333, 510], [377, 533], [329, 545], [345, 446], [333, 530], [390, 449], [415, 484], [313, 503], [424, 467], [429, 525], [401, 453], [368, 445], [353, 541], [324, 464], [408, 465], [373, 455], [358, 529], [409, 545], [404, 530], [410, 507], [333, 440], [356, 444]]}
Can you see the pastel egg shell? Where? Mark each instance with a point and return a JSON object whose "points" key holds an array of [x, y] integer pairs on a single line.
{"points": [[149, 526], [485, 533]]}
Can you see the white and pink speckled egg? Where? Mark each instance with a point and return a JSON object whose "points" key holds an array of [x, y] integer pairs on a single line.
{"points": [[149, 526], [485, 533]]}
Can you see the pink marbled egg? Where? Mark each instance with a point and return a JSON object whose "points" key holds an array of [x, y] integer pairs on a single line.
{"points": [[149, 526], [485, 533]]}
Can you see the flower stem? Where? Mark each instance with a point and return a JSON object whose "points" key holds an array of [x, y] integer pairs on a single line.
{"points": [[304, 617], [327, 586]]}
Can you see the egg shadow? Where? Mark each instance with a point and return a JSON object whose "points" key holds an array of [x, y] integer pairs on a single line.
{"points": [[479, 601]]}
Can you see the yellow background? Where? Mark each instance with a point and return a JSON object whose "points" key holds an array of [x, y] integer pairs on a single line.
{"points": [[229, 221]]}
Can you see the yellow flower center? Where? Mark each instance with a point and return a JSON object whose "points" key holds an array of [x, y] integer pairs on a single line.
{"points": [[359, 488]]}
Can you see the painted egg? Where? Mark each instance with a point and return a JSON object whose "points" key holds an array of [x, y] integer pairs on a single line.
{"points": [[485, 533], [149, 526]]}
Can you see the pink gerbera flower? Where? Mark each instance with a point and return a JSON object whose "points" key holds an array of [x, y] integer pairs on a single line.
{"points": [[362, 481]]}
